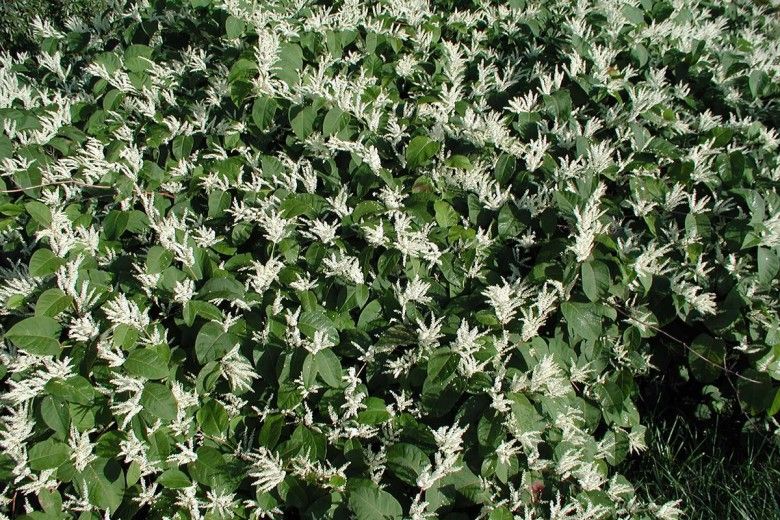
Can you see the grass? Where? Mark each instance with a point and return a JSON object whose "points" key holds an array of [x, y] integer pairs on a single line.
{"points": [[715, 468]]}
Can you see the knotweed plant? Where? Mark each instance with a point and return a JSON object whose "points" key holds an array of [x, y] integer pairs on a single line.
{"points": [[377, 260]]}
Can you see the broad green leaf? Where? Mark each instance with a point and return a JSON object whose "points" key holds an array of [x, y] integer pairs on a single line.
{"points": [[509, 223], [104, 481], [115, 224], [420, 150], [371, 503], [51, 501], [505, 168], [137, 58], [212, 419], [213, 342], [328, 367], [290, 63], [335, 120], [39, 335], [158, 400], [312, 321], [182, 146], [263, 111], [39, 212], [445, 215], [52, 302], [146, 362], [43, 262], [47, 454], [407, 461], [370, 312], [374, 413], [305, 441], [441, 387], [303, 123], [173, 479], [271, 430], [595, 279], [223, 287], [501, 513], [768, 266], [56, 416], [234, 27], [757, 80], [582, 320], [75, 389]]}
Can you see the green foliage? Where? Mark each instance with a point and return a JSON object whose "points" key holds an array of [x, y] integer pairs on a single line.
{"points": [[393, 261]]}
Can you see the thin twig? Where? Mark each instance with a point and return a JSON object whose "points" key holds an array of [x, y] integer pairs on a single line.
{"points": [[688, 348]]}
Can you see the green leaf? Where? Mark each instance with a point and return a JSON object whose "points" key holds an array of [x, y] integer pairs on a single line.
{"points": [[115, 224], [633, 14], [501, 513], [559, 104], [441, 387], [582, 320], [47, 454], [134, 58], [195, 308], [51, 502], [421, 149], [146, 362], [509, 223], [75, 389], [43, 262], [368, 502], [706, 356], [39, 212], [213, 342], [445, 215], [757, 81], [263, 111], [212, 418], [105, 483], [158, 259], [328, 367], [374, 413], [505, 168], [173, 479], [38, 335], [158, 400], [407, 461], [56, 416], [312, 321], [51, 302], [756, 392], [370, 312], [303, 123], [768, 266], [271, 430], [234, 27], [290, 62], [595, 279], [182, 146], [224, 287], [335, 120]]}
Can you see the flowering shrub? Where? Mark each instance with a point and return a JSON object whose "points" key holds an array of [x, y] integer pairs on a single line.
{"points": [[395, 260]]}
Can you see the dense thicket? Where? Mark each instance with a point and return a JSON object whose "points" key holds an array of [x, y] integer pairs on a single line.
{"points": [[389, 260]]}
